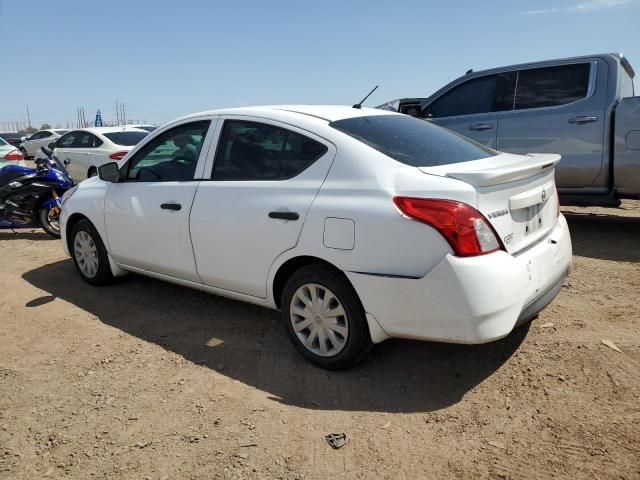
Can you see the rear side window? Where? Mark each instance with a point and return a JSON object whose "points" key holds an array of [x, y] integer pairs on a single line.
{"points": [[126, 139], [492, 93], [411, 141], [258, 151], [552, 86]]}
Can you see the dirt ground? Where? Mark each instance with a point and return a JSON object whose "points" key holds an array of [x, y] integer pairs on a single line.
{"points": [[147, 380]]}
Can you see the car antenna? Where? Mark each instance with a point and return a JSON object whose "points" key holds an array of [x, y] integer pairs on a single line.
{"points": [[359, 104]]}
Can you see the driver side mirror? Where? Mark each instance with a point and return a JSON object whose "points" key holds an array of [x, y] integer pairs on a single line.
{"points": [[109, 172]]}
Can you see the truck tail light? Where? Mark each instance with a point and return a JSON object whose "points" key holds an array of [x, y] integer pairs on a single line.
{"points": [[467, 230]]}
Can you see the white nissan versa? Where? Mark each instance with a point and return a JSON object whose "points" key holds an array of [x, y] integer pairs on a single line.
{"points": [[357, 224]]}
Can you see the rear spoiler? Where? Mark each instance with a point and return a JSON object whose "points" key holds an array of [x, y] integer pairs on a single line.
{"points": [[502, 168]]}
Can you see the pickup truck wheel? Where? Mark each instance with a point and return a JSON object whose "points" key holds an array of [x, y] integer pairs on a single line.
{"points": [[89, 254], [324, 318]]}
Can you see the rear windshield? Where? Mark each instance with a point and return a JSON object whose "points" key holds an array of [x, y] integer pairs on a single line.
{"points": [[126, 138], [414, 142], [61, 132]]}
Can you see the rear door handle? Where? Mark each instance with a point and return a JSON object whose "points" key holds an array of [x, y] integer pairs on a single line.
{"points": [[284, 215], [481, 126], [583, 119], [171, 206]]}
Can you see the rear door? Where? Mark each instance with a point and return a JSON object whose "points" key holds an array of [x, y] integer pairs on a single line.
{"points": [[470, 107], [264, 178], [558, 109]]}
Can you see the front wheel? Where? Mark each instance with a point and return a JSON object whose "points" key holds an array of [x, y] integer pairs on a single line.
{"points": [[49, 219], [324, 318], [89, 254]]}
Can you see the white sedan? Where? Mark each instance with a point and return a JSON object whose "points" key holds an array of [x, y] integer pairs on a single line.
{"points": [[85, 149], [357, 224], [30, 145]]}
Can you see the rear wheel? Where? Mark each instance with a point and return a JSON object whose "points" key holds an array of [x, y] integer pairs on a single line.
{"points": [[324, 318], [89, 254], [49, 219]]}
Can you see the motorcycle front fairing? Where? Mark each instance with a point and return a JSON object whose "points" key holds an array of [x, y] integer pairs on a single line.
{"points": [[24, 190]]}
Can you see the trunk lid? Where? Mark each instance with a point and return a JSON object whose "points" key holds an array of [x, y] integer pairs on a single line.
{"points": [[516, 193]]}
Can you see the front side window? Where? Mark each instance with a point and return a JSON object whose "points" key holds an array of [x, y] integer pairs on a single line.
{"points": [[491, 93], [172, 156], [45, 134], [258, 151], [36, 136], [67, 140], [412, 141], [552, 86]]}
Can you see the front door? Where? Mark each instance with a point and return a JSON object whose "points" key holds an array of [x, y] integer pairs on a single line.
{"points": [[470, 107], [558, 109], [147, 211], [252, 208]]}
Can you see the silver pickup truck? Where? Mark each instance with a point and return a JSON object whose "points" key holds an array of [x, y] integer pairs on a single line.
{"points": [[583, 108]]}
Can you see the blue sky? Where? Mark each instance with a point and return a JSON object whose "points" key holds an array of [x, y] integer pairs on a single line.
{"points": [[168, 58]]}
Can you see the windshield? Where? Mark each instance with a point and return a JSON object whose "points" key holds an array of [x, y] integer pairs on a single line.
{"points": [[126, 139], [411, 141]]}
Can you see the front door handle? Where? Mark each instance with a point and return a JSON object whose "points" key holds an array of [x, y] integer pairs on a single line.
{"points": [[481, 126], [583, 119], [171, 206], [284, 215]]}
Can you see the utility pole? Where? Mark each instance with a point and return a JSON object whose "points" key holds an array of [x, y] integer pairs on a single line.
{"points": [[28, 116], [117, 113], [124, 117]]}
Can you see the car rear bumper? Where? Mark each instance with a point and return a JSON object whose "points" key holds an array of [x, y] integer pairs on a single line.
{"points": [[473, 299]]}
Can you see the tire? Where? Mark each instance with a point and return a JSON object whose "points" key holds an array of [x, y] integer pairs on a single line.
{"points": [[93, 171], [346, 337], [49, 224], [24, 153], [87, 251]]}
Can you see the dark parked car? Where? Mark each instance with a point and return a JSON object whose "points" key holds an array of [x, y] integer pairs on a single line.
{"points": [[12, 138]]}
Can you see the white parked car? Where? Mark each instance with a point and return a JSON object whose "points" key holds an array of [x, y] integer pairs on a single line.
{"points": [[357, 224], [84, 150], [30, 145]]}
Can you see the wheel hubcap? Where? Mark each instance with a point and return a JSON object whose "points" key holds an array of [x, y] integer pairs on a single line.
{"points": [[319, 320], [86, 254]]}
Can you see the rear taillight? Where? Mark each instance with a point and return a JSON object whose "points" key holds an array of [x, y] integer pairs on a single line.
{"points": [[117, 155], [466, 229], [14, 155]]}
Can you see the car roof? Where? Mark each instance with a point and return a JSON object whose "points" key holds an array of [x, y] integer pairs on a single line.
{"points": [[542, 63], [109, 129], [325, 113]]}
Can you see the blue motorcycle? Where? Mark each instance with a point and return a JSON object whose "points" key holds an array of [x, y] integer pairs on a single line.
{"points": [[32, 196]]}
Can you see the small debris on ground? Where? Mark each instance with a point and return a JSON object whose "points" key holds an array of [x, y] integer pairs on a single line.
{"points": [[611, 345], [336, 440]]}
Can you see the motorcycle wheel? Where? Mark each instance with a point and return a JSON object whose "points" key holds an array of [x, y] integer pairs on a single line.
{"points": [[49, 221]]}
